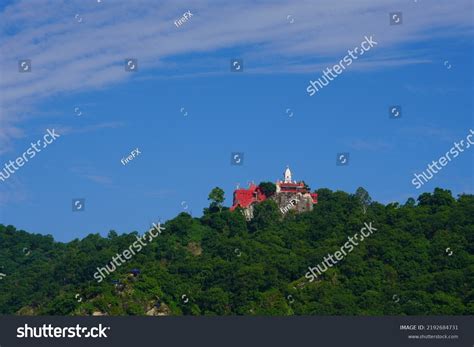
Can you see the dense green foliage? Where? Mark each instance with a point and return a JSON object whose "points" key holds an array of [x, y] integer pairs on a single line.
{"points": [[268, 188], [216, 196], [220, 264]]}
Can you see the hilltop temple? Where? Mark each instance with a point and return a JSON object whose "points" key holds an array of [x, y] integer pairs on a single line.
{"points": [[289, 195]]}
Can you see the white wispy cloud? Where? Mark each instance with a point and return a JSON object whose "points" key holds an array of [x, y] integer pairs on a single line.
{"points": [[420, 132], [99, 179], [69, 56], [91, 174], [371, 145], [66, 130]]}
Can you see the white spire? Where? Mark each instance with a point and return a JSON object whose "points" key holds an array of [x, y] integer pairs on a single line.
{"points": [[287, 175]]}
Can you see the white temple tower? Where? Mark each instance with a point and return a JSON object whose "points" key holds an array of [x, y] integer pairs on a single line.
{"points": [[288, 175]]}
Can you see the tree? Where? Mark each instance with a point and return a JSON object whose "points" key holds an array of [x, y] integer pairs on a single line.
{"points": [[265, 214], [440, 197], [363, 196], [410, 202], [112, 234], [268, 188], [217, 198], [306, 186], [418, 262]]}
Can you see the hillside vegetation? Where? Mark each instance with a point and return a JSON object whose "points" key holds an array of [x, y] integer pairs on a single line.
{"points": [[419, 262]]}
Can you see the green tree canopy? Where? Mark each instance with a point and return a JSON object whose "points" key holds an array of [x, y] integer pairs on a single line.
{"points": [[418, 262], [363, 196], [217, 198], [268, 188]]}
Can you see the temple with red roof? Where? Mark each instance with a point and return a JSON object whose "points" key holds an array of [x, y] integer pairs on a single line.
{"points": [[289, 195]]}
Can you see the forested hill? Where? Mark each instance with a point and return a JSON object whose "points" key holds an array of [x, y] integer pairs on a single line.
{"points": [[418, 262]]}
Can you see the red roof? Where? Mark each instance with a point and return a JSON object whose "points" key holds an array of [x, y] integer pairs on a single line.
{"points": [[245, 197], [300, 184]]}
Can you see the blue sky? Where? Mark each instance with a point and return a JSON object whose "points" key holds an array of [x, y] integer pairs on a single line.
{"points": [[80, 64]]}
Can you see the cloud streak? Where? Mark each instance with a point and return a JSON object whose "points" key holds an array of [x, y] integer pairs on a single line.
{"points": [[69, 56]]}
